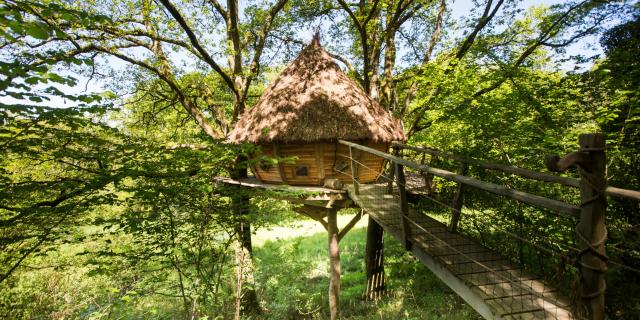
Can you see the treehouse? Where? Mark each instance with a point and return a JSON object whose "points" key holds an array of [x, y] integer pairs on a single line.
{"points": [[302, 115]]}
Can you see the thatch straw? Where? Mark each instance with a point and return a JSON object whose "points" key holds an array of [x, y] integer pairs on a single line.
{"points": [[313, 100]]}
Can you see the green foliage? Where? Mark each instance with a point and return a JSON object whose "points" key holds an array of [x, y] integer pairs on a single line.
{"points": [[112, 212]]}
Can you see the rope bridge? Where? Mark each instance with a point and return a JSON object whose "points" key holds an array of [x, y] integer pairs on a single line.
{"points": [[469, 262]]}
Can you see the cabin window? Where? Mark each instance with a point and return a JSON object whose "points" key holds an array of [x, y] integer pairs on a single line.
{"points": [[302, 171]]}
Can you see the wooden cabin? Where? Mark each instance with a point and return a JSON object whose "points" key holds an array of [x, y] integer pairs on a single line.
{"points": [[301, 116]]}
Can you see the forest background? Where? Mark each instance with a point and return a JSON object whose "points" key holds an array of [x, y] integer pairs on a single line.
{"points": [[108, 206]]}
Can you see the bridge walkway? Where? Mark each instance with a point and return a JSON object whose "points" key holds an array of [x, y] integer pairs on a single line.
{"points": [[490, 283]]}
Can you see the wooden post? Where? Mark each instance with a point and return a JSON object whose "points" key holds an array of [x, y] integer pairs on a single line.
{"points": [[429, 177], [457, 201], [591, 231], [404, 205], [374, 260], [392, 170], [354, 172], [334, 263]]}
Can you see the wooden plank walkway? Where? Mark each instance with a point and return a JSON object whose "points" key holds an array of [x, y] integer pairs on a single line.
{"points": [[495, 287]]}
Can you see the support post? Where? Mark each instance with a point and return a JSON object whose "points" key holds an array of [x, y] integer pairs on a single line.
{"points": [[457, 201], [354, 172], [392, 170], [404, 205], [374, 260], [591, 231], [334, 263], [428, 179]]}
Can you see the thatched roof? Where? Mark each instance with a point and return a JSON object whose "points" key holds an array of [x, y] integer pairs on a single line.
{"points": [[313, 100]]}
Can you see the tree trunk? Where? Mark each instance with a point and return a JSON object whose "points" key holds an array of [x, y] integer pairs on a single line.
{"points": [[334, 264], [388, 88], [246, 297]]}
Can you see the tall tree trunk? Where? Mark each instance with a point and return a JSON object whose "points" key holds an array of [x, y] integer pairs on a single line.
{"points": [[246, 297], [388, 87], [413, 89], [374, 61]]}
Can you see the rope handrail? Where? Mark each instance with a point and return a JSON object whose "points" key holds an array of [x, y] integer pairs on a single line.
{"points": [[540, 176], [562, 208]]}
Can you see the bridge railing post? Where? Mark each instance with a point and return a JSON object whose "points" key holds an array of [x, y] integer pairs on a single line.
{"points": [[591, 232], [404, 204], [428, 177], [456, 205], [392, 170], [354, 172]]}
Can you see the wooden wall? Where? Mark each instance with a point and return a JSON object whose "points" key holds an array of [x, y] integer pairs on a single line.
{"points": [[322, 160]]}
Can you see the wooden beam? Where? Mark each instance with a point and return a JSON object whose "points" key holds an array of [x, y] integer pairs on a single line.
{"points": [[315, 213], [562, 208], [354, 172], [350, 225], [303, 190], [623, 193], [540, 176]]}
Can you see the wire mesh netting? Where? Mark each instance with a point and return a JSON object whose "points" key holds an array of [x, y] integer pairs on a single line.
{"points": [[518, 259]]}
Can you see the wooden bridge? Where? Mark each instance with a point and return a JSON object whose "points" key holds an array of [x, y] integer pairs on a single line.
{"points": [[495, 286]]}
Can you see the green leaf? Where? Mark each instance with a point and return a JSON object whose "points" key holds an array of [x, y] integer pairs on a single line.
{"points": [[38, 32], [32, 80]]}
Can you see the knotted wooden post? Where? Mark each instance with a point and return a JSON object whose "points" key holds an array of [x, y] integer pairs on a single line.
{"points": [[404, 205], [591, 232]]}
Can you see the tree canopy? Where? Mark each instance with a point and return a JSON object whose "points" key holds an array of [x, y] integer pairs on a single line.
{"points": [[114, 115]]}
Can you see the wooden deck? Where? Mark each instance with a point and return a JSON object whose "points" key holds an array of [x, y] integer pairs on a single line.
{"points": [[491, 284], [252, 182]]}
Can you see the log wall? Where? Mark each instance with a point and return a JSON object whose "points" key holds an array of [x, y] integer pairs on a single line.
{"points": [[322, 160]]}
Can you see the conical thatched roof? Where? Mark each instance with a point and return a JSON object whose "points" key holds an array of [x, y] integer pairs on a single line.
{"points": [[313, 100]]}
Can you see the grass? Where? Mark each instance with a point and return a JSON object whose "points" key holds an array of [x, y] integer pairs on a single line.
{"points": [[291, 263], [292, 278]]}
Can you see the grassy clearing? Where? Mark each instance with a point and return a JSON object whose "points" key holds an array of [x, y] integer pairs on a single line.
{"points": [[292, 275]]}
